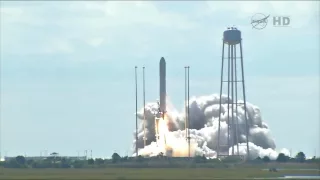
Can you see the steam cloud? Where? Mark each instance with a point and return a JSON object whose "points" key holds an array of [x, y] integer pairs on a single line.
{"points": [[204, 116]]}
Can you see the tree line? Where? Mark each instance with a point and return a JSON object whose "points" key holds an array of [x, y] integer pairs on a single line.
{"points": [[140, 161]]}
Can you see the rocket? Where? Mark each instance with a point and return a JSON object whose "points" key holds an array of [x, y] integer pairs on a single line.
{"points": [[162, 102], [163, 92]]}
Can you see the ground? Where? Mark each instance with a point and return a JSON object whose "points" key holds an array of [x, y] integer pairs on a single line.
{"points": [[245, 171]]}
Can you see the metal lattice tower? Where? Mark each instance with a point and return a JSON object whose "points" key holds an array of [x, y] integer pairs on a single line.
{"points": [[232, 41]]}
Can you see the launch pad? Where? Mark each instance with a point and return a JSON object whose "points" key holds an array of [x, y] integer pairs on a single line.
{"points": [[156, 127], [161, 123], [231, 39]]}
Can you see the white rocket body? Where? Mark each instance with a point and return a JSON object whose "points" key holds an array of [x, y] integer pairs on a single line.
{"points": [[163, 92]]}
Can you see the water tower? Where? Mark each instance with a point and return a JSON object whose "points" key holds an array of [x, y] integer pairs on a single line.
{"points": [[232, 43]]}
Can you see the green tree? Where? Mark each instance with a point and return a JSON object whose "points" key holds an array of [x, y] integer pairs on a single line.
{"points": [[160, 155], [301, 157], [54, 155], [46, 163], [232, 159], [257, 160], [21, 160], [140, 159], [99, 161], [30, 162], [313, 159], [282, 158], [35, 164], [115, 158], [65, 163], [12, 163], [124, 158], [266, 159], [78, 164], [204, 159], [198, 159], [2, 163], [91, 161]]}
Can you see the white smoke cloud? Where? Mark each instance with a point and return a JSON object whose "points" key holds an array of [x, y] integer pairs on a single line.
{"points": [[204, 123]]}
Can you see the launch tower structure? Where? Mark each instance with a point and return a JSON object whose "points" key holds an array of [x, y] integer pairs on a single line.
{"points": [[232, 41], [187, 108], [136, 95], [144, 108]]}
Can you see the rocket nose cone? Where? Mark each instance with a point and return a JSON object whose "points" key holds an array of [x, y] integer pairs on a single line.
{"points": [[162, 60]]}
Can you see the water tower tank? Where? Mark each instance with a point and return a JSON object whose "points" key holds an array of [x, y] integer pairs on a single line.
{"points": [[232, 36]]}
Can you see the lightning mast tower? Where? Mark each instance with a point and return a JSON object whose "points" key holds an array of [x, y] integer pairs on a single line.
{"points": [[144, 108], [232, 40], [187, 108], [136, 86]]}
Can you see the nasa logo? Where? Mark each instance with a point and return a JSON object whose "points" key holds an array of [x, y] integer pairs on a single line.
{"points": [[259, 21]]}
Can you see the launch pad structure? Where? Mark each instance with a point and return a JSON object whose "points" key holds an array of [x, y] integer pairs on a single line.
{"points": [[161, 113], [136, 87], [187, 108], [232, 41], [144, 107]]}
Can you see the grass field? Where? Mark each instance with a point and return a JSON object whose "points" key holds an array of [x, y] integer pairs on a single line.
{"points": [[150, 173]]}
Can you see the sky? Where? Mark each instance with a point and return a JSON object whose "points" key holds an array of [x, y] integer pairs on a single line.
{"points": [[67, 69]]}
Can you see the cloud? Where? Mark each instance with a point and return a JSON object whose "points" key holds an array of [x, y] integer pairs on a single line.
{"points": [[11, 12], [57, 45], [141, 29], [93, 23], [95, 42], [12, 15], [143, 12]]}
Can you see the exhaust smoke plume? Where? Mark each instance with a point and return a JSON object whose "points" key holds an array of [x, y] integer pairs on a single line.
{"points": [[204, 116]]}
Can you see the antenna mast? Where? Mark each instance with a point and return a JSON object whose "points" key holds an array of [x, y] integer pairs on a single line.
{"points": [[144, 109], [136, 83]]}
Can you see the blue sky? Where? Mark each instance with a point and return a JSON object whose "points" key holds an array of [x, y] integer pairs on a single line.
{"points": [[67, 68]]}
